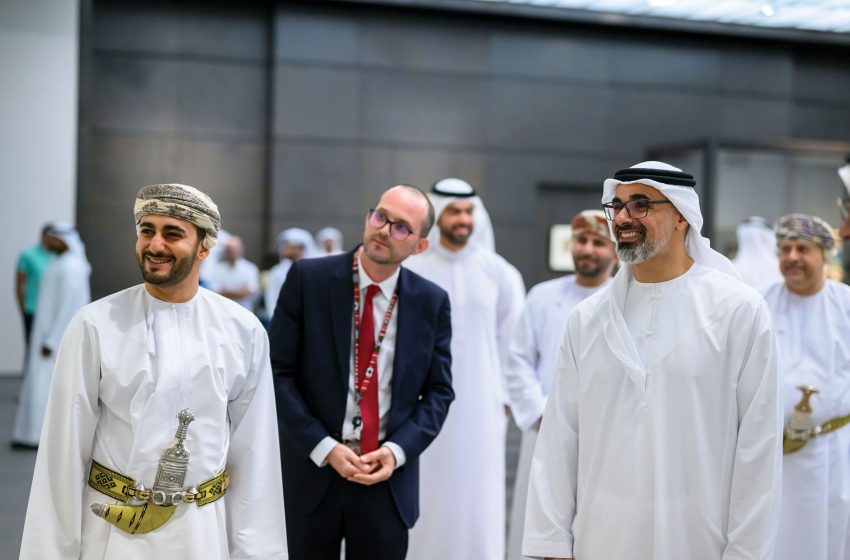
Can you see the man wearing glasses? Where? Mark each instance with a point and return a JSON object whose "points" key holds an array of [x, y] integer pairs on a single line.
{"points": [[662, 434], [360, 350], [463, 511]]}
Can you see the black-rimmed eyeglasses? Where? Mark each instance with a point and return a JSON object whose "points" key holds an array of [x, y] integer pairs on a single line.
{"points": [[398, 230], [635, 208]]}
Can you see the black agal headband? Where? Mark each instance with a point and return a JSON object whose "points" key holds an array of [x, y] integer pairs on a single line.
{"points": [[666, 176]]}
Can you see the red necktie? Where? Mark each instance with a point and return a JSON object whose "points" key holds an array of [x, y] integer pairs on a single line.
{"points": [[369, 404]]}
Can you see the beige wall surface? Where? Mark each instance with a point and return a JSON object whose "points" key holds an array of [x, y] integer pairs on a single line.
{"points": [[38, 139]]}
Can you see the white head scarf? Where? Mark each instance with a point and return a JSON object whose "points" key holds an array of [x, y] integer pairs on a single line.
{"points": [[686, 201], [446, 191], [298, 236], [844, 173], [756, 259], [71, 238], [332, 234]]}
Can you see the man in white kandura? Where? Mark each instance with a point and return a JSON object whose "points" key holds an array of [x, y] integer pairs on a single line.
{"points": [[160, 439], [844, 202], [63, 290], [234, 276], [293, 244], [811, 315], [329, 241], [662, 434], [463, 510], [539, 333], [756, 259]]}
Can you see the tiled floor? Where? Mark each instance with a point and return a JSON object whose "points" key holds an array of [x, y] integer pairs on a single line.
{"points": [[16, 468]]}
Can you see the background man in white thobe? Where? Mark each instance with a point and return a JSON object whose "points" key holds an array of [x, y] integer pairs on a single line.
{"points": [[811, 315], [756, 258], [293, 244], [539, 333], [662, 434], [329, 241], [844, 202], [63, 290], [463, 509], [126, 366], [234, 276], [31, 264]]}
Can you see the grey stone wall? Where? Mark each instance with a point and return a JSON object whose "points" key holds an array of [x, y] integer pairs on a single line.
{"points": [[317, 107]]}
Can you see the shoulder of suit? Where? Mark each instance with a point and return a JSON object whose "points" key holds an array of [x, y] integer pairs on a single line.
{"points": [[422, 284]]}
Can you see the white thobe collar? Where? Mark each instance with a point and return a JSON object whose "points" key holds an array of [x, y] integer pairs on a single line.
{"points": [[616, 330]]}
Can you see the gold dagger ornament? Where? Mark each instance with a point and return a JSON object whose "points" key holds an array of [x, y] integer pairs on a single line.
{"points": [[799, 428], [161, 501]]}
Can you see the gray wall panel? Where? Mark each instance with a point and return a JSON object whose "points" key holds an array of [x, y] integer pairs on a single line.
{"points": [[432, 44], [822, 76], [547, 116], [760, 71], [404, 107], [314, 179], [311, 101], [653, 62], [363, 97], [133, 93], [222, 99], [166, 28], [551, 56], [317, 34]]}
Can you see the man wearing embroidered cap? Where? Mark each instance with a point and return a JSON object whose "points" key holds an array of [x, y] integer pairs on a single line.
{"points": [[157, 442], [811, 315], [538, 337], [662, 434], [463, 512]]}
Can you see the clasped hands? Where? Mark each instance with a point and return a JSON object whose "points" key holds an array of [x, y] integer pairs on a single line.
{"points": [[371, 468]]}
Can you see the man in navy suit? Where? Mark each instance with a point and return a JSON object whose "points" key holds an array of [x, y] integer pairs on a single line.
{"points": [[360, 349]]}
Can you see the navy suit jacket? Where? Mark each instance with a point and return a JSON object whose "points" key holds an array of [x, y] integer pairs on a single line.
{"points": [[310, 337]]}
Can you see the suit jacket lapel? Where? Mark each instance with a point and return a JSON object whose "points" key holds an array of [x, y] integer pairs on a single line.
{"points": [[341, 300], [405, 331]]}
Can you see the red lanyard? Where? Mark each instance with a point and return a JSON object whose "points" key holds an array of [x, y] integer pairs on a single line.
{"points": [[361, 383]]}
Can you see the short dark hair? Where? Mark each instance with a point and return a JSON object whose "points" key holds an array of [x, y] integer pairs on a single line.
{"points": [[430, 218]]}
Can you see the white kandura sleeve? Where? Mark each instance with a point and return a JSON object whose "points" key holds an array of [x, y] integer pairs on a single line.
{"points": [[525, 393], [551, 506], [53, 524], [256, 522], [757, 471], [508, 311]]}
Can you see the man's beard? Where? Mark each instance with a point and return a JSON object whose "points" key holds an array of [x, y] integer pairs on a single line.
{"points": [[640, 251], [600, 266], [180, 269], [391, 256], [459, 239]]}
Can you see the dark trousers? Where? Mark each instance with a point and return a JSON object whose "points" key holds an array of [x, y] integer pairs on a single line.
{"points": [[365, 516], [27, 328]]}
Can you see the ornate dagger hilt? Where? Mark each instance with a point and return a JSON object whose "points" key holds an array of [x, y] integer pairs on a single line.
{"points": [[173, 462], [799, 427]]}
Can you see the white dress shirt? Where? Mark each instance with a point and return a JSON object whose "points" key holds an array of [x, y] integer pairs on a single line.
{"points": [[380, 303]]}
